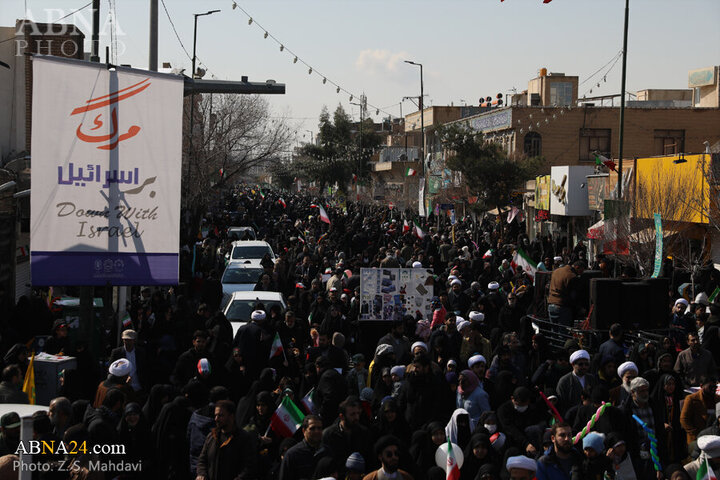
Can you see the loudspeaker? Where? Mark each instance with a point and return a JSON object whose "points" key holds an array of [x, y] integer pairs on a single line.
{"points": [[542, 284], [605, 296], [583, 288], [658, 307]]}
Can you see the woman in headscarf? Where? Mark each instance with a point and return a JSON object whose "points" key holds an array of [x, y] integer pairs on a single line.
{"points": [[459, 428], [665, 402], [391, 422], [259, 428], [160, 394], [134, 434], [471, 396], [478, 454], [383, 388], [238, 380], [246, 406], [539, 351]]}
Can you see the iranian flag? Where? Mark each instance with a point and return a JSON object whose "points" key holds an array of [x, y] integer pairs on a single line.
{"points": [[705, 471], [522, 259], [262, 195], [323, 215], [287, 418], [277, 348], [406, 226], [307, 402], [452, 471], [601, 160], [410, 172], [418, 231], [282, 202]]}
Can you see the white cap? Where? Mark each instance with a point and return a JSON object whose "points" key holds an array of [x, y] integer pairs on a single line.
{"points": [[626, 367], [682, 301], [493, 285], [417, 265], [461, 323], [476, 316], [452, 277], [455, 282], [257, 316], [523, 462], [476, 359], [557, 259], [422, 345], [710, 444], [579, 355], [120, 367]]}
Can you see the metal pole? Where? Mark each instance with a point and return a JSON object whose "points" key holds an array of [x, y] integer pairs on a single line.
{"points": [[622, 101], [153, 59], [95, 49]]}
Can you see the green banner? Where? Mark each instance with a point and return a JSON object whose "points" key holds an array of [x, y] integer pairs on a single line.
{"points": [[658, 246]]}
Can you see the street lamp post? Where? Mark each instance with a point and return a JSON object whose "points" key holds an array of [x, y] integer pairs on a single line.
{"points": [[422, 126], [192, 76]]}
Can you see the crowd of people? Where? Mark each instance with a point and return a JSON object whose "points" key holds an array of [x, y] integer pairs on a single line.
{"points": [[189, 400]]}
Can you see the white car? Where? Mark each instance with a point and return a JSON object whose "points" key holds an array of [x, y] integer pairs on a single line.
{"points": [[250, 252], [240, 305], [240, 277]]}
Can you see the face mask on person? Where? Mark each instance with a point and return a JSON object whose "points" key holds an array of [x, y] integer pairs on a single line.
{"points": [[521, 408], [490, 427]]}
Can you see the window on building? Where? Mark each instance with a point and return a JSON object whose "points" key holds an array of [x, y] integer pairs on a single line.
{"points": [[561, 93], [533, 144], [594, 140], [669, 142]]}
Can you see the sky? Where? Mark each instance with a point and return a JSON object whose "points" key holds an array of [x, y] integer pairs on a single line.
{"points": [[469, 48]]}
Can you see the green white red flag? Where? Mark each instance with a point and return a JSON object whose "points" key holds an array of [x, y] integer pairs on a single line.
{"points": [[705, 471], [323, 215], [522, 259], [277, 347], [418, 231], [287, 418], [410, 172]]}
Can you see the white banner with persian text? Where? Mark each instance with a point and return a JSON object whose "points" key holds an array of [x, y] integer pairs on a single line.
{"points": [[106, 165]]}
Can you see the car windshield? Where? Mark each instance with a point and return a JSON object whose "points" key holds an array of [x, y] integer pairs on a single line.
{"points": [[241, 252], [240, 310], [244, 234], [242, 275]]}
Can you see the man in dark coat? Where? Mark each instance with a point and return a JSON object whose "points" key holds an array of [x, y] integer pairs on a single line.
{"points": [[186, 365], [299, 461], [347, 435], [11, 386], [249, 339], [139, 374], [228, 452]]}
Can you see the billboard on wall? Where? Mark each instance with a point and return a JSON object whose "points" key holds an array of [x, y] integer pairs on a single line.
{"points": [[106, 163], [386, 294], [542, 192], [568, 193]]}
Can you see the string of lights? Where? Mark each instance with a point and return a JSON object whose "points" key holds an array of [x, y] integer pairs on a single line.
{"points": [[311, 70]]}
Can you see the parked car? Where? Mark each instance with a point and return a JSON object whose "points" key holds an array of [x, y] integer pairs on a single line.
{"points": [[240, 305], [240, 277]]}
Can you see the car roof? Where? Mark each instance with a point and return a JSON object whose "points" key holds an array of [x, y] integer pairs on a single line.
{"points": [[252, 295], [250, 243], [241, 228]]}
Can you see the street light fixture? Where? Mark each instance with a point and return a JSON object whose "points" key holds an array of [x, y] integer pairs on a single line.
{"points": [[422, 125], [192, 75]]}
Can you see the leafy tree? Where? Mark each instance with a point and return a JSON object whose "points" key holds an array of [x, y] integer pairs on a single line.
{"points": [[485, 167], [339, 151]]}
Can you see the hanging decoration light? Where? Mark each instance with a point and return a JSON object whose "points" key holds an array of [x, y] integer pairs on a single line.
{"points": [[310, 71], [324, 80], [338, 90], [351, 97], [282, 47], [266, 35], [295, 60]]}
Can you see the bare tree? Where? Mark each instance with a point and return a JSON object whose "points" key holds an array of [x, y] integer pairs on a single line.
{"points": [[234, 133]]}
